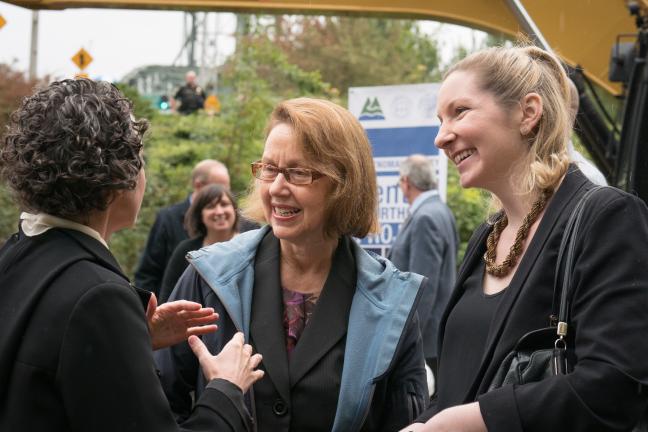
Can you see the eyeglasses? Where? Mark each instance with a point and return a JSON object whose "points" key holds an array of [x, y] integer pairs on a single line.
{"points": [[296, 176]]}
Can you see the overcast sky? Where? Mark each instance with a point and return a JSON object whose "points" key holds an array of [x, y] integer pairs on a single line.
{"points": [[121, 40]]}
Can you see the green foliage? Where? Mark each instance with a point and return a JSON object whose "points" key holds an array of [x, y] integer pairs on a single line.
{"points": [[353, 51], [141, 107], [461, 52], [470, 207], [496, 39], [261, 66], [9, 213]]}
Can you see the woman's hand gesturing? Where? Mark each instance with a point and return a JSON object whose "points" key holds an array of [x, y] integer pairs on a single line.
{"points": [[173, 322], [235, 363]]}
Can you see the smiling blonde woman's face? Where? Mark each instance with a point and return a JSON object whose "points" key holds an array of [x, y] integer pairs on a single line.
{"points": [[477, 134]]}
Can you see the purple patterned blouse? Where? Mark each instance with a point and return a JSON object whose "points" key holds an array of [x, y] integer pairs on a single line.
{"points": [[298, 309]]}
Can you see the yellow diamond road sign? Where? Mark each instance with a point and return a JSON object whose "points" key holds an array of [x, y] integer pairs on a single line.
{"points": [[2, 21], [82, 59]]}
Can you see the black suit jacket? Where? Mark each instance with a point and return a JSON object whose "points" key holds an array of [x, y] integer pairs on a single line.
{"points": [[166, 233], [177, 265], [75, 352], [427, 244], [299, 394], [286, 397], [609, 320]]}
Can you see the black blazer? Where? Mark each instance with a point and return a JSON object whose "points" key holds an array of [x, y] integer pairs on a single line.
{"points": [[75, 353], [299, 394], [177, 265], [166, 233], [427, 244], [609, 320]]}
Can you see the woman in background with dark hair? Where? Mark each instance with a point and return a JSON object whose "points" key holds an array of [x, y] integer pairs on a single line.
{"points": [[75, 341], [212, 218]]}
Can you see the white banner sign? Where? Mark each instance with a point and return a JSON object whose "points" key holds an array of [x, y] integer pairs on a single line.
{"points": [[400, 120]]}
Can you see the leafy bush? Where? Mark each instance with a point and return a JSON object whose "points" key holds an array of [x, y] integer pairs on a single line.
{"points": [[470, 207], [172, 147]]}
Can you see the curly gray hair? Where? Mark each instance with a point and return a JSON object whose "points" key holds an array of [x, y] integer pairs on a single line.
{"points": [[70, 146]]}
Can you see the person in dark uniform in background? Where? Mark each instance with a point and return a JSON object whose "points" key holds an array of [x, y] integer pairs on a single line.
{"points": [[190, 96]]}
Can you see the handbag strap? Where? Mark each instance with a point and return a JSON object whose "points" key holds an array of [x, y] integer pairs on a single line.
{"points": [[565, 263]]}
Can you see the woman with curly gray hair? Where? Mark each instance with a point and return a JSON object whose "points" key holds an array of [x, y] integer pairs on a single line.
{"points": [[75, 345]]}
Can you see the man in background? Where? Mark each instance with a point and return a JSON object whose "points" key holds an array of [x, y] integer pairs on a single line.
{"points": [[168, 229], [190, 96], [427, 244]]}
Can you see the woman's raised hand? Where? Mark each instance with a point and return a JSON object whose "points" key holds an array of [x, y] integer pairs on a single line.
{"points": [[235, 363], [173, 322]]}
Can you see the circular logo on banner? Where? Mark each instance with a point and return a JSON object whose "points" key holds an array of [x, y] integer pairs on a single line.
{"points": [[401, 106], [427, 105]]}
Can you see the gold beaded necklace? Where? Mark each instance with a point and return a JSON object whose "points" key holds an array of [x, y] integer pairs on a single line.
{"points": [[501, 270]]}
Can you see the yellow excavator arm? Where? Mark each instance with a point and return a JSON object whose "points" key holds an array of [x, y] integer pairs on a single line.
{"points": [[582, 32]]}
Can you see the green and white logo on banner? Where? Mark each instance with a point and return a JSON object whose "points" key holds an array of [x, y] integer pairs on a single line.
{"points": [[371, 110]]}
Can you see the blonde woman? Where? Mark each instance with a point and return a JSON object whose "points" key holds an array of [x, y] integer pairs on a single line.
{"points": [[505, 125]]}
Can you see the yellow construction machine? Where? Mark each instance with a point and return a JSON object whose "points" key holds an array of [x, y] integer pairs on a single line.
{"points": [[603, 43]]}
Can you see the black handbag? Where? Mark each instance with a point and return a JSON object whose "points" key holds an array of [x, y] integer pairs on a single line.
{"points": [[542, 353]]}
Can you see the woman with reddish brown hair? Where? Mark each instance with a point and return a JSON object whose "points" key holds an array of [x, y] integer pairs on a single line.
{"points": [[337, 326]]}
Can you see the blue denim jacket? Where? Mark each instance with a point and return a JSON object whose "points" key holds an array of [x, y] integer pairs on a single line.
{"points": [[382, 307]]}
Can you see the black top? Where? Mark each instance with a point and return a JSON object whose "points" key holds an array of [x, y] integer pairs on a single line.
{"points": [[608, 319], [75, 351], [191, 98], [166, 233], [320, 383], [301, 395], [469, 322], [177, 265]]}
